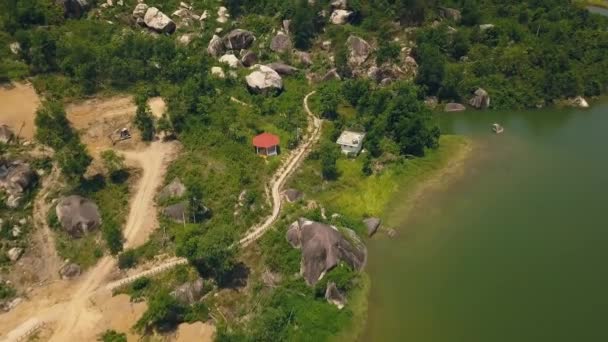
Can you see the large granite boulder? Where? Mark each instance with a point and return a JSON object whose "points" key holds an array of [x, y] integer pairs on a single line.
{"points": [[282, 68], [324, 247], [15, 179], [339, 4], [177, 212], [481, 99], [238, 39], [175, 189], [578, 101], [230, 60], [292, 195], [69, 271], [158, 21], [216, 46], [450, 13], [73, 8], [78, 215], [189, 293], [6, 135], [359, 50], [264, 79], [222, 15], [280, 43], [139, 12], [334, 296], [331, 75], [454, 107], [14, 253], [340, 16], [372, 224]]}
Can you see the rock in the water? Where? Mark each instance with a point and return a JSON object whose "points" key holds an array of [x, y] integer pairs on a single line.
{"points": [[6, 135], [450, 13], [69, 271], [340, 17], [230, 60], [216, 46], [73, 8], [222, 15], [15, 253], [359, 50], [175, 189], [304, 58], [78, 215], [280, 43], [292, 195], [189, 293], [372, 224], [282, 68], [481, 100], [238, 39], [218, 72], [158, 21], [177, 212], [578, 101], [323, 247], [249, 59], [334, 296], [332, 75], [264, 79], [454, 107]]}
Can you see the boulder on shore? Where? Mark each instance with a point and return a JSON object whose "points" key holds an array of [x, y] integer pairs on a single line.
{"points": [[334, 296], [323, 247], [158, 21], [238, 39], [264, 79], [372, 224], [78, 215], [579, 102], [454, 107], [481, 99]]}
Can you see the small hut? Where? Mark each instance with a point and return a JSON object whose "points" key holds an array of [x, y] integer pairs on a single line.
{"points": [[266, 144]]}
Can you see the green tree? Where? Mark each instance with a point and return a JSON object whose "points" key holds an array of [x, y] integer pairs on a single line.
{"points": [[471, 13], [112, 336], [432, 67], [329, 99], [212, 253], [366, 168], [164, 313], [355, 91], [144, 119], [73, 160], [113, 162], [52, 126], [329, 156], [303, 24]]}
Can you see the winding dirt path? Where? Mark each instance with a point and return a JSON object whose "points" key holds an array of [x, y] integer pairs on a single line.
{"points": [[70, 306]]}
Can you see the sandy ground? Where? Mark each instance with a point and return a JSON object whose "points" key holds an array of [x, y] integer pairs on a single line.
{"points": [[198, 331], [157, 106], [18, 105], [120, 314]]}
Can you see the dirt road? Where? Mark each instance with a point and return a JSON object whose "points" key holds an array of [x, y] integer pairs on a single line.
{"points": [[71, 308]]}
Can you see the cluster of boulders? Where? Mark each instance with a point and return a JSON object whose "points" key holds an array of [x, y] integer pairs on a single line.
{"points": [[16, 178], [153, 18], [78, 215]]}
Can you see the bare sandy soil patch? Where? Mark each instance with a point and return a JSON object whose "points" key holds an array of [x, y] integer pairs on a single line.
{"points": [[157, 106], [120, 314], [18, 105], [198, 331]]}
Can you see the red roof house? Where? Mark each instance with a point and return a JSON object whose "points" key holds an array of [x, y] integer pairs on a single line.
{"points": [[266, 144]]}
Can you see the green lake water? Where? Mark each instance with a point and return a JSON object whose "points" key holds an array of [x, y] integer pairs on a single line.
{"points": [[515, 249]]}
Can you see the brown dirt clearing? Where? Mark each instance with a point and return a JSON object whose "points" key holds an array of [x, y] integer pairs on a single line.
{"points": [[18, 105]]}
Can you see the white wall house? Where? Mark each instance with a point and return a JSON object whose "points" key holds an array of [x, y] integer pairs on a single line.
{"points": [[351, 142]]}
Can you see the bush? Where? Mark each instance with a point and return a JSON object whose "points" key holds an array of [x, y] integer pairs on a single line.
{"points": [[164, 313], [113, 336], [127, 259]]}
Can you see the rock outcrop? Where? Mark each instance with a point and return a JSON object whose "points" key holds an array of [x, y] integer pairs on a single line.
{"points": [[450, 13], [340, 17], [15, 179], [359, 50], [454, 107], [339, 4], [578, 101], [14, 253], [177, 212], [282, 68], [334, 296], [249, 58], [481, 99], [78, 215], [69, 271], [175, 189], [73, 8], [230, 60], [222, 15], [331, 75], [139, 12], [323, 247], [6, 134], [280, 43], [189, 293], [372, 224], [304, 58], [238, 39], [292, 195], [216, 46], [158, 21], [264, 79]]}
